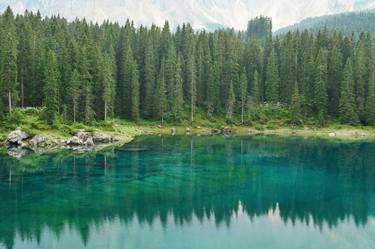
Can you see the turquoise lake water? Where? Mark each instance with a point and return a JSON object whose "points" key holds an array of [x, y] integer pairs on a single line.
{"points": [[193, 192]]}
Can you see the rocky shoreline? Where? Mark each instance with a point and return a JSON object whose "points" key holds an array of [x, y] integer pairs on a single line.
{"points": [[19, 143]]}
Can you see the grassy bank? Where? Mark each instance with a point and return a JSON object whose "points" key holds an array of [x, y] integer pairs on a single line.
{"points": [[30, 120]]}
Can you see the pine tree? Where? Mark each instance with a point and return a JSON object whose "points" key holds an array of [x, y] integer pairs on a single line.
{"points": [[320, 89], [86, 89], [160, 96], [347, 105], [370, 101], [8, 56], [360, 77], [255, 95], [272, 79], [74, 90], [178, 93], [108, 87], [149, 78], [243, 92], [295, 106], [288, 68], [135, 93], [51, 79], [212, 87], [231, 101], [25, 61], [335, 68], [192, 87]]}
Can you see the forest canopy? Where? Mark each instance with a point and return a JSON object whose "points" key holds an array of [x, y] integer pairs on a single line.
{"points": [[81, 72]]}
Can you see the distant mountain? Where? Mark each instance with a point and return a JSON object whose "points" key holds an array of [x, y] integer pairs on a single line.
{"points": [[355, 22], [203, 14]]}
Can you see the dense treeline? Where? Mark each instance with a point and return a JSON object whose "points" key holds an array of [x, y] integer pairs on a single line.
{"points": [[348, 23], [83, 72]]}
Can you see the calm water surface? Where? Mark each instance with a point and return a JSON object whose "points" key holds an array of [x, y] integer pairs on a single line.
{"points": [[193, 192]]}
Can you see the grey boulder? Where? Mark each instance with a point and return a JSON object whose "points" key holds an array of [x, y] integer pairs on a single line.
{"points": [[16, 137]]}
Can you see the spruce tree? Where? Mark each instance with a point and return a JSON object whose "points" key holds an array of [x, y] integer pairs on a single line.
{"points": [[135, 93], [272, 78], [192, 87], [243, 92], [51, 79], [347, 105], [255, 95], [108, 87], [160, 96], [295, 106], [8, 56], [320, 89], [149, 78], [370, 101], [230, 104], [360, 77], [87, 112], [74, 90], [178, 93]]}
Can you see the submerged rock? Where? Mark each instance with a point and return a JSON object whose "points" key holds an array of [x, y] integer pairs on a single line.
{"points": [[16, 137]]}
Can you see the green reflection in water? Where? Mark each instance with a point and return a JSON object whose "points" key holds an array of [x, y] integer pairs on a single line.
{"points": [[193, 192]]}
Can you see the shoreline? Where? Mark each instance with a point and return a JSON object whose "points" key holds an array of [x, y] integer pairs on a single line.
{"points": [[126, 134]]}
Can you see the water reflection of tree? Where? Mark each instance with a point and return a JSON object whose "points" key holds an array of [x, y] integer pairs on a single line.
{"points": [[187, 177]]}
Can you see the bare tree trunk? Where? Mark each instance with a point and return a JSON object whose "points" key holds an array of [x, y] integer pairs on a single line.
{"points": [[10, 101], [105, 110], [242, 113], [192, 111], [22, 90], [74, 111]]}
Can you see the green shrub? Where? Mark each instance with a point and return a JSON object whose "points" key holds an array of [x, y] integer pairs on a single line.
{"points": [[259, 127], [15, 117]]}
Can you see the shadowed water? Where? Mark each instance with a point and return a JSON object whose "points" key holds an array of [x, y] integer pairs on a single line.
{"points": [[193, 192]]}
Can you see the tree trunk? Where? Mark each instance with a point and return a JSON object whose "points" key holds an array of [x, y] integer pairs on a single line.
{"points": [[242, 113], [192, 111], [22, 90], [10, 101], [74, 112], [105, 110]]}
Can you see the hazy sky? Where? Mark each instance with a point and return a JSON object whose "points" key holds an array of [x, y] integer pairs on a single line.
{"points": [[201, 13]]}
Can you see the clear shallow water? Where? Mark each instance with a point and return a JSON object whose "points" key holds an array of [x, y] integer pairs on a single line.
{"points": [[193, 192]]}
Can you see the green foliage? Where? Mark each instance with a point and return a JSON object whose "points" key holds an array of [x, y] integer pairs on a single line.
{"points": [[347, 101], [51, 98], [81, 72], [272, 79], [295, 107], [15, 117]]}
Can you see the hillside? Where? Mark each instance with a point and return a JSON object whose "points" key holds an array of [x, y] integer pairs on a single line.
{"points": [[347, 23], [202, 14]]}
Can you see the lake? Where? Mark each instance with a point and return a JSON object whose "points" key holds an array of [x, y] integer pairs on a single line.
{"points": [[193, 192]]}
